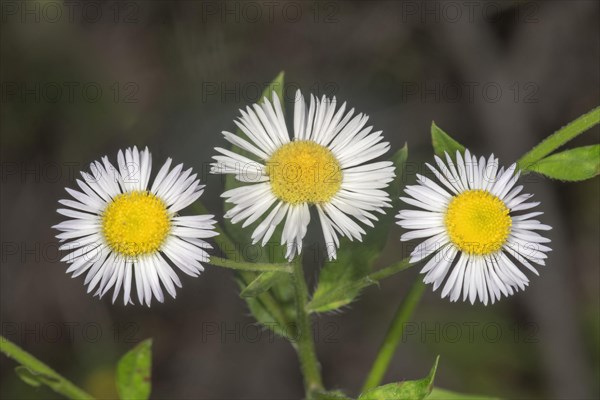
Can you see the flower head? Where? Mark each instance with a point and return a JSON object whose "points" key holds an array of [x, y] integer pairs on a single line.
{"points": [[327, 164], [474, 232], [120, 231]]}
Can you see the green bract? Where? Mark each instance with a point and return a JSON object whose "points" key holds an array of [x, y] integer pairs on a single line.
{"points": [[407, 390]]}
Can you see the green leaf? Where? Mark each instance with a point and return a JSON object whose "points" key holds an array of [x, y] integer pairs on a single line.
{"points": [[342, 280], [262, 283], [330, 395], [27, 376], [269, 313], [134, 371], [34, 378], [442, 394], [570, 165], [337, 296], [560, 137], [277, 86], [443, 143], [407, 390]]}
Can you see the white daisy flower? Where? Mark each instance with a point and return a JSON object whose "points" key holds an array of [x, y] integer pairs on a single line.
{"points": [[471, 218], [120, 231], [326, 164]]}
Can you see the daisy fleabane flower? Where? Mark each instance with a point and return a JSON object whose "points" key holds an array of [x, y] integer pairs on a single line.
{"points": [[327, 164], [120, 230], [476, 233]]}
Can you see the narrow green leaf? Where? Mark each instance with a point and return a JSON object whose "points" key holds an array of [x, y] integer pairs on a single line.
{"points": [[560, 137], [262, 283], [399, 160], [134, 372], [277, 86], [443, 394], [342, 280], [570, 165], [27, 376], [269, 313], [443, 143], [337, 296], [32, 378], [407, 390]]}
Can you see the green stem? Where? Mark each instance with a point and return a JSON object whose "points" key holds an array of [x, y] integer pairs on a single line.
{"points": [[42, 373], [393, 336], [248, 266], [305, 345], [390, 270], [560, 137]]}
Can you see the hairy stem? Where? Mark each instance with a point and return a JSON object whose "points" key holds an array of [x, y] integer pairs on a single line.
{"points": [[248, 266], [305, 345], [390, 270], [393, 336]]}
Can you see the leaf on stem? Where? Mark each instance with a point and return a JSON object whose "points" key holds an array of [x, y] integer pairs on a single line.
{"points": [[134, 372], [34, 378], [266, 315], [570, 165], [342, 280], [407, 390], [262, 283], [559, 138], [337, 296], [443, 143]]}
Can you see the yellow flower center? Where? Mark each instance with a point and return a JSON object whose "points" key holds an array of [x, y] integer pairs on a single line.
{"points": [[136, 223], [304, 172], [478, 222]]}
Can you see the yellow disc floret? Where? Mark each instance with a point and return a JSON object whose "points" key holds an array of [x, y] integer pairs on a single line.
{"points": [[304, 172], [478, 222], [135, 223]]}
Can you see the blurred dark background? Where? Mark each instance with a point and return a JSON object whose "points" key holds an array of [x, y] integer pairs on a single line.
{"points": [[82, 80]]}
